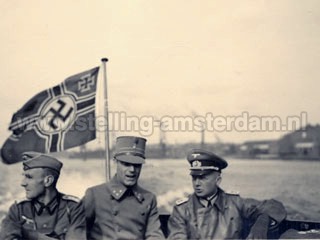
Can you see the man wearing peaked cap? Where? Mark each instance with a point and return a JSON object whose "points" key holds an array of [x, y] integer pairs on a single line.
{"points": [[203, 162], [130, 149], [211, 213], [121, 209], [45, 213]]}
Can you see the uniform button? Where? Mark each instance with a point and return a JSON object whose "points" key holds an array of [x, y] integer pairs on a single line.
{"points": [[115, 212], [142, 213], [45, 225]]}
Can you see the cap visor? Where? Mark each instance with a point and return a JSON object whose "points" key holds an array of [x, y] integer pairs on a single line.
{"points": [[131, 159], [200, 172]]}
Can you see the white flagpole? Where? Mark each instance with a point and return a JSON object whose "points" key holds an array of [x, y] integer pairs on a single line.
{"points": [[106, 115]]}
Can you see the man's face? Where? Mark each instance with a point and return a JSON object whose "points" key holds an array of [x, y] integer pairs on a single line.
{"points": [[128, 173], [33, 183], [206, 185]]}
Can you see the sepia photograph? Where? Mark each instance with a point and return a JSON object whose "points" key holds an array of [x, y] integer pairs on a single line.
{"points": [[160, 119]]}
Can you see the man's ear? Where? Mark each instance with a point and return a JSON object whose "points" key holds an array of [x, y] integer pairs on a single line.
{"points": [[218, 180], [48, 180]]}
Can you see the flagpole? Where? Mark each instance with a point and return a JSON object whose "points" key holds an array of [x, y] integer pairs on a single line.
{"points": [[106, 115]]}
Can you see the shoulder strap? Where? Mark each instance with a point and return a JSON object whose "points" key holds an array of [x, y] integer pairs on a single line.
{"points": [[181, 201], [232, 192], [70, 198]]}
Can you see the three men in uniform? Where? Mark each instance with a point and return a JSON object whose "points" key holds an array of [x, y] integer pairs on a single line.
{"points": [[121, 209]]}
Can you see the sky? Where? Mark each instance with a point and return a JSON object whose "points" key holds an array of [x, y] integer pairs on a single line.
{"points": [[170, 59]]}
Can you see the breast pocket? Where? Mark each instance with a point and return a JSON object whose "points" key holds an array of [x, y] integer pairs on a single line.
{"points": [[28, 228], [62, 226], [143, 214]]}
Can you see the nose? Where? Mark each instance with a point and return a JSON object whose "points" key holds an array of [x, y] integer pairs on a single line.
{"points": [[197, 181], [23, 183], [131, 168]]}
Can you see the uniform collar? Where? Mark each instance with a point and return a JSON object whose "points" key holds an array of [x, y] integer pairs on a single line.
{"points": [[218, 201], [210, 201], [51, 206], [118, 190]]}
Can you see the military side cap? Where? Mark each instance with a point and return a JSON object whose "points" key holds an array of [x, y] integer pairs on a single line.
{"points": [[40, 160], [203, 162], [130, 149]]}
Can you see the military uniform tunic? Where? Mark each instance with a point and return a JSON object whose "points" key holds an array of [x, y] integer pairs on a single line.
{"points": [[223, 220], [116, 212], [62, 218]]}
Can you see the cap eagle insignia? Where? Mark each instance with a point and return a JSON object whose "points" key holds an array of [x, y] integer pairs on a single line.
{"points": [[195, 155]]}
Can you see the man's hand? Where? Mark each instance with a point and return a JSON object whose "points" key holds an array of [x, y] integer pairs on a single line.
{"points": [[259, 230]]}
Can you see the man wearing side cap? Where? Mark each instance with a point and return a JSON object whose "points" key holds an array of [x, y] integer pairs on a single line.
{"points": [[121, 209], [211, 213], [45, 213]]}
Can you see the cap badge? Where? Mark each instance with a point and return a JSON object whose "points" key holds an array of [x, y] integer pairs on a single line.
{"points": [[195, 155], [196, 164]]}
